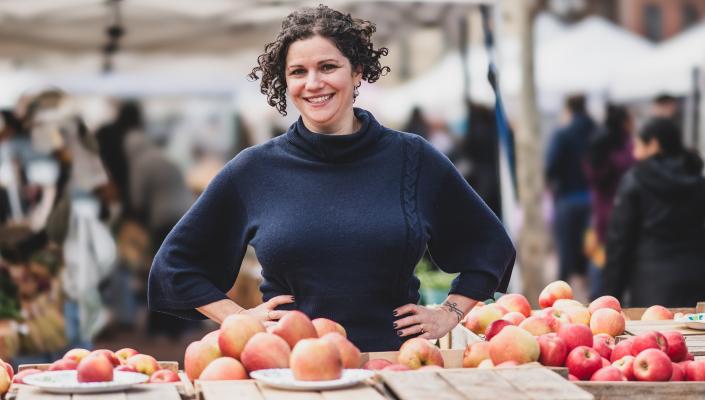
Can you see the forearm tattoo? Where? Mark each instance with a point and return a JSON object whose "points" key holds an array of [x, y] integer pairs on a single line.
{"points": [[453, 307]]}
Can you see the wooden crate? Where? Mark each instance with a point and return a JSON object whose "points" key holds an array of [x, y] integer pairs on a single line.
{"points": [[645, 390], [139, 392], [636, 328], [533, 382], [252, 390]]}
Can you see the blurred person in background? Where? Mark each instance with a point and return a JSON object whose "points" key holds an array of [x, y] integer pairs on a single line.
{"points": [[608, 159], [339, 209], [665, 105], [15, 151], [656, 234], [567, 182], [159, 196], [417, 123]]}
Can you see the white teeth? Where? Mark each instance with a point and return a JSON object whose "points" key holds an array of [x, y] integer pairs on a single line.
{"points": [[319, 99]]}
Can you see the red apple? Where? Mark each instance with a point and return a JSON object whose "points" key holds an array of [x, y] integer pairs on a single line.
{"points": [[396, 367], [95, 368], [294, 326], [695, 370], [19, 378], [316, 360], [514, 344], [348, 352], [575, 335], [8, 368], [553, 350], [607, 320], [76, 354], [212, 336], [5, 381], [495, 327], [478, 319], [475, 353], [678, 373], [582, 362], [554, 291], [164, 376], [376, 364], [515, 302], [63, 365], [572, 377], [417, 352], [677, 349], [537, 325], [223, 369], [604, 344], [652, 365], [143, 363], [109, 355], [608, 373], [514, 317], [197, 356], [626, 365], [649, 340], [235, 331], [657, 313], [605, 302], [126, 368], [125, 353], [621, 349], [325, 325], [265, 351]]}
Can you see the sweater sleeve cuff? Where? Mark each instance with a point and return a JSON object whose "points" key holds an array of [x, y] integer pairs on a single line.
{"points": [[475, 285], [186, 309]]}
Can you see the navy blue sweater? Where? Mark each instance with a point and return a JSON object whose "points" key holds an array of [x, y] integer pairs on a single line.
{"points": [[339, 222]]}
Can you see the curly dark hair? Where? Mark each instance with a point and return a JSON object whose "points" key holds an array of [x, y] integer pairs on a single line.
{"points": [[350, 35]]}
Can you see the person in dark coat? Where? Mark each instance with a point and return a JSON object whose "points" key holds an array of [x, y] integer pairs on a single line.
{"points": [[566, 179], [656, 235]]}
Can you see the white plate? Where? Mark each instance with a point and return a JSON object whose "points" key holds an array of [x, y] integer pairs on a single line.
{"points": [[283, 378], [66, 382], [694, 321]]}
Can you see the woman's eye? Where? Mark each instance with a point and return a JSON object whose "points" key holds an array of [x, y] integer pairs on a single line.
{"points": [[296, 72], [329, 67]]}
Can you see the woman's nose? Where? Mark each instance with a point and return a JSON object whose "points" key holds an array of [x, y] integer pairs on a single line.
{"points": [[313, 80]]}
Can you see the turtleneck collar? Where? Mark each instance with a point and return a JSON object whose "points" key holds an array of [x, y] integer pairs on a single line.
{"points": [[336, 148]]}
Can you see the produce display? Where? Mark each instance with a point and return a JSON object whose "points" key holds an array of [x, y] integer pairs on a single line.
{"points": [[565, 333]]}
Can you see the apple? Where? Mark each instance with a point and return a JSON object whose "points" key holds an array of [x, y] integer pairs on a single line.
{"points": [[223, 369], [235, 331], [677, 349], [554, 291], [514, 317], [678, 373], [605, 302], [578, 315], [495, 327], [564, 304], [143, 363], [197, 356], [605, 362], [212, 336], [582, 362], [537, 325], [125, 353], [63, 365], [377, 364], [603, 344], [19, 378], [572, 377], [515, 302], [478, 319], [553, 350], [690, 356], [608, 373], [348, 352], [417, 352], [652, 365], [76, 354], [559, 316], [126, 368], [8, 368], [649, 340], [325, 325], [626, 365], [94, 368], [657, 313], [575, 335], [607, 320], [695, 370], [294, 326], [109, 355], [265, 351], [474, 354], [316, 360], [164, 376], [514, 344], [621, 349], [396, 367], [5, 381]]}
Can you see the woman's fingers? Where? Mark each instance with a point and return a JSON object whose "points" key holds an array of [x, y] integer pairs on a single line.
{"points": [[412, 330], [406, 309], [276, 301], [407, 321]]}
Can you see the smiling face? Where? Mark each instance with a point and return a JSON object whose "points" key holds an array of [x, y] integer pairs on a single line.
{"points": [[321, 83]]}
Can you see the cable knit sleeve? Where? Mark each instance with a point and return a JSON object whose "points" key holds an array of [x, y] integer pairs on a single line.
{"points": [[200, 258], [467, 237]]}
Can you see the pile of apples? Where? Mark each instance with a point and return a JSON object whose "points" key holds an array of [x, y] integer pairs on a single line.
{"points": [[414, 354], [566, 333], [99, 366], [314, 350]]}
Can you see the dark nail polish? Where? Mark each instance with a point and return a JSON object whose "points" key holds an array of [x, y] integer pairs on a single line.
{"points": [[394, 313], [395, 325], [399, 333]]}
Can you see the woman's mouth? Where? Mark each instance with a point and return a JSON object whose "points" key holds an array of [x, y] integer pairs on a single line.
{"points": [[318, 100]]}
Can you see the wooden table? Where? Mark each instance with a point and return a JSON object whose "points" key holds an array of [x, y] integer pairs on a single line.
{"points": [[139, 392]]}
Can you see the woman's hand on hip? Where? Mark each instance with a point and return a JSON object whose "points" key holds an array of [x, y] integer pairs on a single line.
{"points": [[266, 312], [428, 323]]}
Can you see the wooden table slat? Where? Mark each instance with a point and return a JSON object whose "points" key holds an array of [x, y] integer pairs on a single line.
{"points": [[483, 385], [420, 386], [224, 390], [360, 392], [645, 390], [27, 392], [541, 383], [270, 393], [162, 391]]}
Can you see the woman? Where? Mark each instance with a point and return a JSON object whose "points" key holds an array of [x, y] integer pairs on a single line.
{"points": [[339, 209], [656, 235], [608, 159]]}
